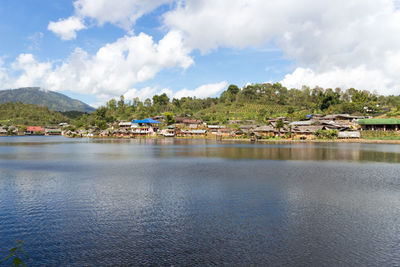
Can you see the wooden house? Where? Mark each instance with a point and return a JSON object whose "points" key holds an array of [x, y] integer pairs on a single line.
{"points": [[306, 132], [266, 130], [192, 123]]}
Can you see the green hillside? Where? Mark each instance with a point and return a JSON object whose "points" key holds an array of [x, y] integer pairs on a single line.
{"points": [[257, 102], [27, 114], [36, 96]]}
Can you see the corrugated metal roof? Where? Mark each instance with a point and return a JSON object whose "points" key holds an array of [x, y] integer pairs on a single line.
{"points": [[146, 121], [266, 128], [303, 123]]}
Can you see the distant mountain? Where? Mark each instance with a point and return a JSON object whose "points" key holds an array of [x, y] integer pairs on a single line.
{"points": [[37, 96]]}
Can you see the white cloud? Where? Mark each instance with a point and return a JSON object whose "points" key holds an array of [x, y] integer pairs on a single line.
{"points": [[4, 79], [331, 43], [116, 67], [204, 91], [142, 94], [66, 28], [112, 71], [33, 72], [359, 78], [339, 41], [36, 40], [123, 13]]}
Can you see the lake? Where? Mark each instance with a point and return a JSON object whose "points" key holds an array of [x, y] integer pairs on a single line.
{"points": [[169, 202]]}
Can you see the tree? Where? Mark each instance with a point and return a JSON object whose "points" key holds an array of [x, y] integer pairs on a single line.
{"points": [[262, 114], [161, 100], [279, 125], [233, 90], [169, 118], [147, 102], [112, 104], [121, 102]]}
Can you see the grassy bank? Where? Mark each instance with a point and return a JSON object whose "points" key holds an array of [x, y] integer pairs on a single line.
{"points": [[380, 135]]}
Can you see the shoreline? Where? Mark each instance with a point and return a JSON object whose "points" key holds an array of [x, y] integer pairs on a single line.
{"points": [[245, 140]]}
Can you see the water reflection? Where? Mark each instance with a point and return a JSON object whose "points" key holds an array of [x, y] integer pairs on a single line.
{"points": [[165, 202], [17, 148]]}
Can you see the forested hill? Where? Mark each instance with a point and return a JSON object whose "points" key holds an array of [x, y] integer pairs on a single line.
{"points": [[36, 96], [27, 114], [258, 102]]}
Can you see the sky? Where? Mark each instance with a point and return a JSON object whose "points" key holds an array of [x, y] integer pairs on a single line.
{"points": [[95, 50]]}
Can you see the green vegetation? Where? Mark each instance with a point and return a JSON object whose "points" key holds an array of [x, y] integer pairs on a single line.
{"points": [[26, 114], [380, 135], [36, 96], [254, 102], [73, 114], [16, 255], [326, 134]]}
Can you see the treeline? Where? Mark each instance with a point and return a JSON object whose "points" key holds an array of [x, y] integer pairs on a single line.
{"points": [[257, 102], [27, 114], [253, 102]]}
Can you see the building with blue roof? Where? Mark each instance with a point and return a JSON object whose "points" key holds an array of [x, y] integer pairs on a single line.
{"points": [[145, 127], [146, 121]]}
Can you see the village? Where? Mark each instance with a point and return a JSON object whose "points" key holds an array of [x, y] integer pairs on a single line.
{"points": [[316, 126]]}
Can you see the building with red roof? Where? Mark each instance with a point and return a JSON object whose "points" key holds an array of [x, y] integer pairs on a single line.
{"points": [[34, 130]]}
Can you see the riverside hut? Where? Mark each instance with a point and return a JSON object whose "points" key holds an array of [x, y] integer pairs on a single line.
{"points": [[266, 130]]}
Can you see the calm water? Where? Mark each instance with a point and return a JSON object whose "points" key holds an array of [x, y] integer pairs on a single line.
{"points": [[180, 202]]}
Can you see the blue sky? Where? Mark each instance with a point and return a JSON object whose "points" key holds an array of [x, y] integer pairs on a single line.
{"points": [[94, 50]]}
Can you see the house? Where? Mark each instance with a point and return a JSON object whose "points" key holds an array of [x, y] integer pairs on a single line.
{"points": [[192, 123], [380, 124], [247, 128], [302, 123], [125, 124], [34, 130], [284, 119], [335, 125], [215, 128], [225, 132], [195, 133], [266, 130], [122, 132], [341, 117], [52, 131], [145, 127], [179, 120], [307, 132]]}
